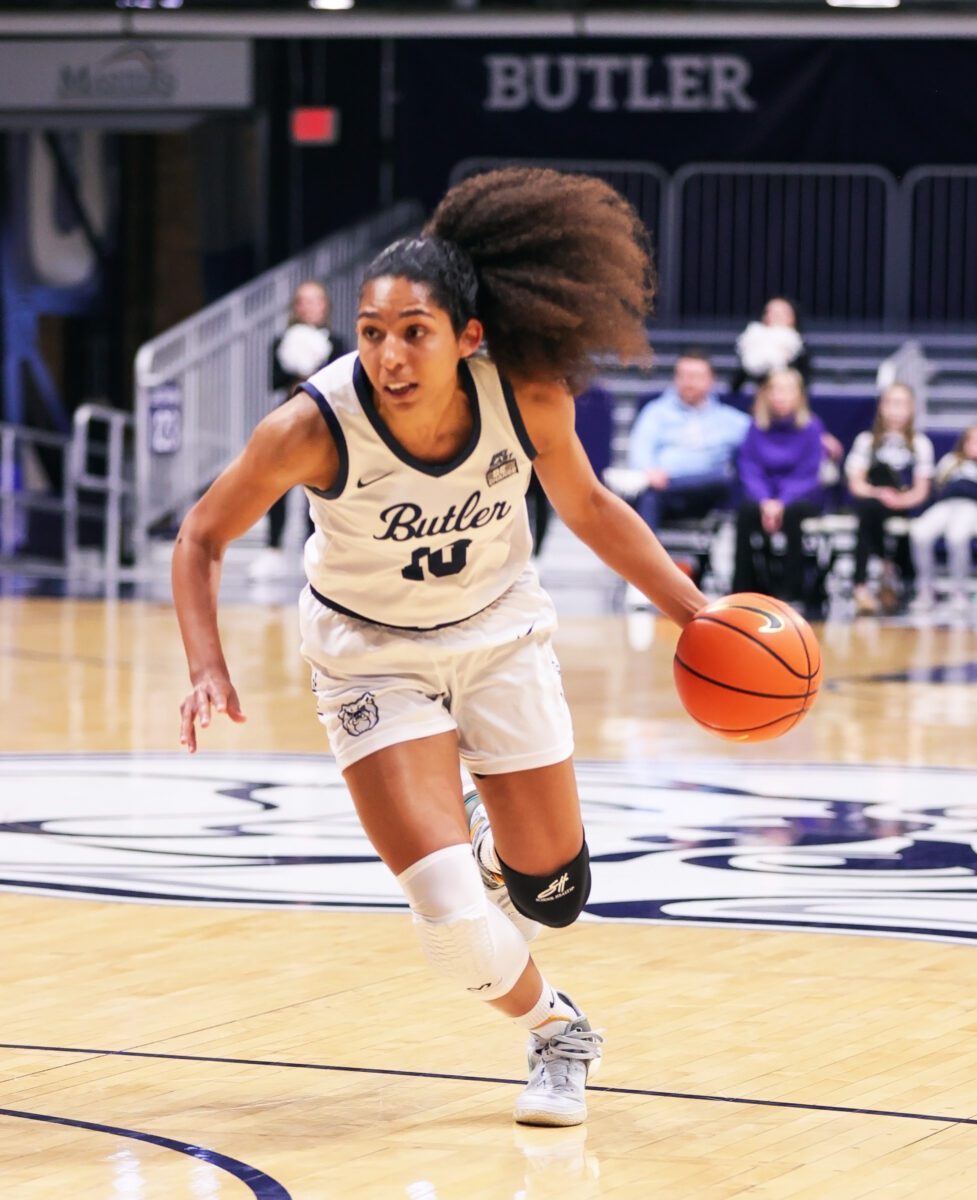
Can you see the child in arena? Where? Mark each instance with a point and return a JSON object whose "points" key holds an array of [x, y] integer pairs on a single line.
{"points": [[952, 517], [889, 470], [424, 623]]}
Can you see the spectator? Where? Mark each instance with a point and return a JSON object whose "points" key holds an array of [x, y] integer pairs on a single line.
{"points": [[889, 469], [780, 464], [685, 442], [306, 345], [954, 518], [770, 344]]}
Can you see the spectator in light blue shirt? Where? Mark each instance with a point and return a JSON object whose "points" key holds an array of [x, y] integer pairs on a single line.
{"points": [[686, 443]]}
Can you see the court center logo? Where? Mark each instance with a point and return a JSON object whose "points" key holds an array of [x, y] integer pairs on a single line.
{"points": [[889, 851]]}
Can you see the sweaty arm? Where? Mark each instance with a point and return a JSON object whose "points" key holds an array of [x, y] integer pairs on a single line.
{"points": [[610, 527], [290, 446]]}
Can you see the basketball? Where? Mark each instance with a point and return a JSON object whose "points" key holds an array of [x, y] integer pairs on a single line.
{"points": [[747, 667]]}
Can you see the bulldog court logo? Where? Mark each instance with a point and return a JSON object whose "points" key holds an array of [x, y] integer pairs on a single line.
{"points": [[887, 851]]}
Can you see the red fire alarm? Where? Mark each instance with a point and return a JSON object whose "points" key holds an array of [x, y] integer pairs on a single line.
{"points": [[315, 126]]}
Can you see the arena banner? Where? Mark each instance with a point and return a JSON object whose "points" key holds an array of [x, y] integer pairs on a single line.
{"points": [[59, 77], [892, 103]]}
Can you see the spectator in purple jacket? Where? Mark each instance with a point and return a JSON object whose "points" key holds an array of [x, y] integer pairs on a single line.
{"points": [[779, 463]]}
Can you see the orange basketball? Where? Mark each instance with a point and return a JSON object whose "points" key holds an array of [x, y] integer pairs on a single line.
{"points": [[747, 667]]}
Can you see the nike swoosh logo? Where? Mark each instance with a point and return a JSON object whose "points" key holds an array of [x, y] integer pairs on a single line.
{"points": [[376, 479], [773, 622]]}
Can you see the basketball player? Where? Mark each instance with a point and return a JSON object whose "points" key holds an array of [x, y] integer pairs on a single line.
{"points": [[428, 634]]}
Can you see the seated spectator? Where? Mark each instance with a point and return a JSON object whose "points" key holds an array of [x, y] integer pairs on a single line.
{"points": [[889, 469], [771, 344], [307, 345], [953, 517], [684, 442], [780, 464]]}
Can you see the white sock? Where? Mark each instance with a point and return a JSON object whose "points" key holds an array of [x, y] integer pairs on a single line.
{"points": [[551, 1013]]}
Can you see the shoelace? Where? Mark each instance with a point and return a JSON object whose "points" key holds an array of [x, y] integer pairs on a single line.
{"points": [[578, 1046], [560, 1053]]}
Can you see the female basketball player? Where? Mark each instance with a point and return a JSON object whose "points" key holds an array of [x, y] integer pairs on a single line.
{"points": [[427, 631]]}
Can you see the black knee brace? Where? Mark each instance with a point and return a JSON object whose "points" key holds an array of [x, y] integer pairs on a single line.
{"points": [[556, 899]]}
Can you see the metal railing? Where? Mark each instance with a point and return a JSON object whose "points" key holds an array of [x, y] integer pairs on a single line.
{"points": [[19, 498], [202, 386], [849, 242], [99, 485], [744, 232], [939, 221]]}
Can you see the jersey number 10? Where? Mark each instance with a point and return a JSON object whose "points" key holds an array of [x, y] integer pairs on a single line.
{"points": [[447, 561]]}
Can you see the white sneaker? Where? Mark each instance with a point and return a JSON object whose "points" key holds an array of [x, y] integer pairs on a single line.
{"points": [[269, 564], [923, 601], [480, 832], [558, 1070]]}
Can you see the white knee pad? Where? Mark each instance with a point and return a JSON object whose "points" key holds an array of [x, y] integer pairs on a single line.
{"points": [[462, 935]]}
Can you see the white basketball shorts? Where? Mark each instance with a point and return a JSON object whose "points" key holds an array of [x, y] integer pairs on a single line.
{"points": [[494, 679]]}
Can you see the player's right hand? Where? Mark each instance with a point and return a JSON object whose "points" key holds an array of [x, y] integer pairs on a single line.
{"points": [[212, 691]]}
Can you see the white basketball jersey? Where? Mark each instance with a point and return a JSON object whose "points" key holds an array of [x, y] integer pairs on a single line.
{"points": [[413, 544]]}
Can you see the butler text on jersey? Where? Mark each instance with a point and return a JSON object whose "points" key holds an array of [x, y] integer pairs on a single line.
{"points": [[406, 520]]}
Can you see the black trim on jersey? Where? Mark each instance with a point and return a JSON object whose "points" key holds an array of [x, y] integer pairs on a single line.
{"points": [[332, 422], [515, 416], [364, 392], [348, 612]]}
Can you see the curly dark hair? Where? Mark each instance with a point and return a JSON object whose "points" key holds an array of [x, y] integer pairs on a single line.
{"points": [[562, 266], [445, 269]]}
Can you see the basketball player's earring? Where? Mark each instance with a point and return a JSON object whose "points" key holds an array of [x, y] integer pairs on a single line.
{"points": [[483, 848]]}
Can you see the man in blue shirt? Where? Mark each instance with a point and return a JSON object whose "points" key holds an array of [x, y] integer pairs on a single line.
{"points": [[686, 442]]}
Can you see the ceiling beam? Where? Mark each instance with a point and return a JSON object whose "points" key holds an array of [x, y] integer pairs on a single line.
{"points": [[691, 23]]}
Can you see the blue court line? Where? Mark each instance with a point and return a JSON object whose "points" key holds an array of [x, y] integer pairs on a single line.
{"points": [[616, 1091], [262, 1186]]}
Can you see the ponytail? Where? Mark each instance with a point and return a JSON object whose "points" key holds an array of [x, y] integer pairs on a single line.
{"points": [[562, 266]]}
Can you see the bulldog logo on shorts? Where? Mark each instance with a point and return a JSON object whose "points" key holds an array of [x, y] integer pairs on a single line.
{"points": [[360, 714]]}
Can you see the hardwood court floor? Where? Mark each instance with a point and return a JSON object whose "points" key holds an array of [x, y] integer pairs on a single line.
{"points": [[155, 1050]]}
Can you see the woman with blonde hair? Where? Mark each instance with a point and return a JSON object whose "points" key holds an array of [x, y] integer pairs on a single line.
{"points": [[952, 517], [779, 464], [889, 470]]}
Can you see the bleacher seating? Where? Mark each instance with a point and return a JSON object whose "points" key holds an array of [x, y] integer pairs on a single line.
{"points": [[843, 394], [845, 364]]}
